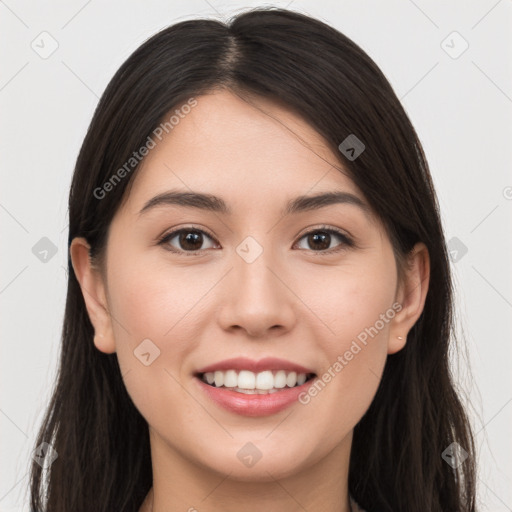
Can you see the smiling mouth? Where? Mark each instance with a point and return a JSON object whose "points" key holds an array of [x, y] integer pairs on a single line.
{"points": [[250, 383]]}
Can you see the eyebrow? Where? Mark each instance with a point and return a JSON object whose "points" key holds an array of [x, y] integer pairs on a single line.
{"points": [[209, 202]]}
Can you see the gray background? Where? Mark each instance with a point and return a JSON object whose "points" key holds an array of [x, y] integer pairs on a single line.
{"points": [[459, 101]]}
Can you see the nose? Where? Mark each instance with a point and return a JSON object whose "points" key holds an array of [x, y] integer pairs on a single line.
{"points": [[257, 298]]}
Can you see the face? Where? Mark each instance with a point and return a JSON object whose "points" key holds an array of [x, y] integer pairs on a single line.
{"points": [[189, 288]]}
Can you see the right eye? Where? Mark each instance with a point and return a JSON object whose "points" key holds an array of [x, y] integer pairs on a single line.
{"points": [[185, 240]]}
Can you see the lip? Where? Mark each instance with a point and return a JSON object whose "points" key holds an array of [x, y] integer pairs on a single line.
{"points": [[243, 363], [253, 405]]}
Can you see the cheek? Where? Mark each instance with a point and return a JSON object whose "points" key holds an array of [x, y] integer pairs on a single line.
{"points": [[356, 305], [149, 303], [351, 299], [149, 299], [151, 310]]}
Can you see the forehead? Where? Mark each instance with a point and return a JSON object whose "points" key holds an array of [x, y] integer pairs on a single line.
{"points": [[259, 152]]}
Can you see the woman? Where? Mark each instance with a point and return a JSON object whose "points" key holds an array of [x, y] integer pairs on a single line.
{"points": [[259, 300]]}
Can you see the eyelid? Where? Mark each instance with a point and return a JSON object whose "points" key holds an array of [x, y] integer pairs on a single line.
{"points": [[168, 235], [347, 239], [328, 228]]}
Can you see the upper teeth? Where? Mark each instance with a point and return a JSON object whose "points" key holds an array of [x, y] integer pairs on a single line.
{"points": [[245, 379]]}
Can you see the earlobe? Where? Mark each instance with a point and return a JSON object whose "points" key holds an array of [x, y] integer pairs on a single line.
{"points": [[93, 291], [411, 296]]}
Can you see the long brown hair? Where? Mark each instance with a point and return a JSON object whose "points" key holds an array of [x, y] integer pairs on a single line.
{"points": [[101, 439]]}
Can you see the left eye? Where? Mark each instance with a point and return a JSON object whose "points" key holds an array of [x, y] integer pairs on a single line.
{"points": [[191, 240], [322, 238]]}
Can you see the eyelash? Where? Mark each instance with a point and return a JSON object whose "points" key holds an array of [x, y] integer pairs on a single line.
{"points": [[346, 241]]}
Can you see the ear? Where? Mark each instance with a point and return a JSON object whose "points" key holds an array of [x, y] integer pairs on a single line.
{"points": [[411, 295], [93, 290]]}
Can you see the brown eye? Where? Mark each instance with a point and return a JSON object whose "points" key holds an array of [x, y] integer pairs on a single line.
{"points": [[320, 240], [186, 240]]}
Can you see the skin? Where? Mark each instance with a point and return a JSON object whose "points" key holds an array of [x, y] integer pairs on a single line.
{"points": [[296, 301]]}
